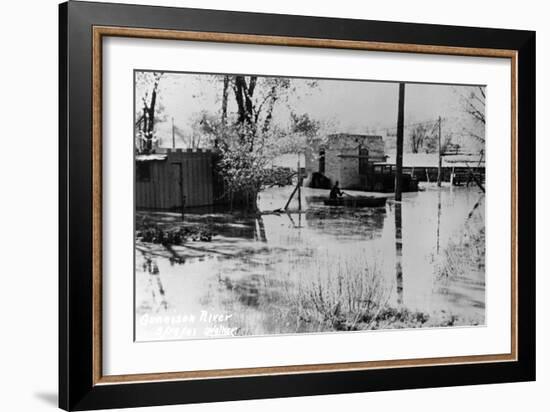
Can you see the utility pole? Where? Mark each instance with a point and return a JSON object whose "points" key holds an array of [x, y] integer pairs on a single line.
{"points": [[439, 151], [173, 135], [399, 150], [299, 185], [398, 182]]}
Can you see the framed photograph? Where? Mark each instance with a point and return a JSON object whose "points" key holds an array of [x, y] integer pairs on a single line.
{"points": [[257, 205]]}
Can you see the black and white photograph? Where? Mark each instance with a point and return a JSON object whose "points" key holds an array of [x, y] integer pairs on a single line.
{"points": [[275, 205], [322, 206]]}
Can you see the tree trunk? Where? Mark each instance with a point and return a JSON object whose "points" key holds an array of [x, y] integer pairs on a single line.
{"points": [[224, 100], [243, 94], [149, 120], [240, 90], [245, 200]]}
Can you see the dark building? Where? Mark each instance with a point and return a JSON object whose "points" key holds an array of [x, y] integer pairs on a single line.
{"points": [[172, 178], [346, 158]]}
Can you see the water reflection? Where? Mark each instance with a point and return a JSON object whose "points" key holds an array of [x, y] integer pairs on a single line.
{"points": [[398, 253], [267, 258]]}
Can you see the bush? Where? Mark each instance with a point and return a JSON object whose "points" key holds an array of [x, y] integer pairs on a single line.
{"points": [[341, 298]]}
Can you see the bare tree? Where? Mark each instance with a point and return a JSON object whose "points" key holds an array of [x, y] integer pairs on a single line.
{"points": [[149, 82], [417, 137], [256, 98], [473, 104]]}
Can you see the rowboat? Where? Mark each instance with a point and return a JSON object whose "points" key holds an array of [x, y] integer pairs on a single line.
{"points": [[364, 201]]}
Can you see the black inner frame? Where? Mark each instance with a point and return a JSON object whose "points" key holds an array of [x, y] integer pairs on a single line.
{"points": [[76, 388]]}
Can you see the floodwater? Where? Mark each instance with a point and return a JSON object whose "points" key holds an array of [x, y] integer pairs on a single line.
{"points": [[236, 283]]}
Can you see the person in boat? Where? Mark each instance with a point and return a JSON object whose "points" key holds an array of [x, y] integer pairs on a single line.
{"points": [[335, 192]]}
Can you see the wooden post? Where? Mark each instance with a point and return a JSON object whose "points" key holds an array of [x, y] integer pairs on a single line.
{"points": [[452, 176], [182, 195], [179, 169], [438, 218], [439, 157], [291, 196], [399, 153], [261, 228], [474, 177]]}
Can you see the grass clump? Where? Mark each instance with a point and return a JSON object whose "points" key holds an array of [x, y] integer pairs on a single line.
{"points": [[340, 299]]}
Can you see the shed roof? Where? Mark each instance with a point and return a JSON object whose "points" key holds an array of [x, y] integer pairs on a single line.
{"points": [[150, 157]]}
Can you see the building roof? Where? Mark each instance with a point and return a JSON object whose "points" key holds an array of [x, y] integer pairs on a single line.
{"points": [[354, 136], [150, 157], [431, 160]]}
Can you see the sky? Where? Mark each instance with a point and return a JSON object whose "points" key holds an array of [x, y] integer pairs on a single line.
{"points": [[347, 106]]}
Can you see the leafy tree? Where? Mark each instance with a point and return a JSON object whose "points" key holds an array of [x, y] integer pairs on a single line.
{"points": [[245, 160], [250, 141]]}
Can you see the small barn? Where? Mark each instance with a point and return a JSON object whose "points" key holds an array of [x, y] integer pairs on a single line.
{"points": [[346, 158], [174, 178]]}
